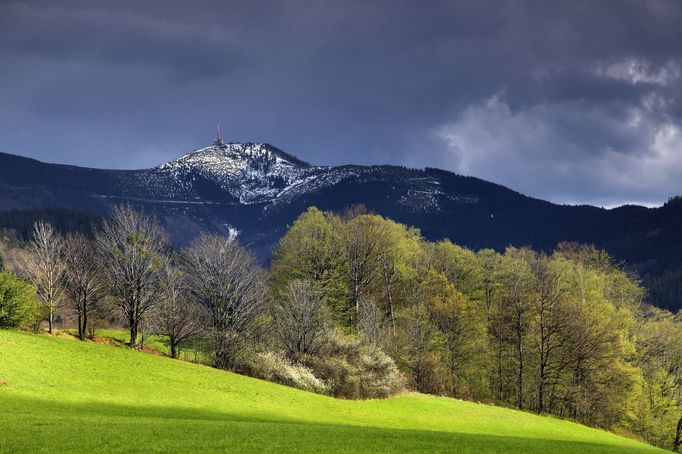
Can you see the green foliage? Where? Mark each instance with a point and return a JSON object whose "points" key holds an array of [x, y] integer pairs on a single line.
{"points": [[303, 253], [461, 267], [459, 333], [659, 354], [551, 333], [309, 252], [362, 307], [18, 303]]}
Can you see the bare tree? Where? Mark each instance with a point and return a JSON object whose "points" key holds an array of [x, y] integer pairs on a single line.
{"points": [[227, 280], [132, 247], [301, 319], [515, 304], [551, 321], [371, 321], [83, 281], [417, 332], [390, 277], [364, 244], [44, 267], [176, 316]]}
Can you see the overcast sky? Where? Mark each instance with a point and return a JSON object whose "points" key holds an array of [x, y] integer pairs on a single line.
{"points": [[571, 101]]}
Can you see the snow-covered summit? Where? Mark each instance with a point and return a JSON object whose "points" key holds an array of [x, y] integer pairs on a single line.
{"points": [[258, 173], [222, 160], [251, 172]]}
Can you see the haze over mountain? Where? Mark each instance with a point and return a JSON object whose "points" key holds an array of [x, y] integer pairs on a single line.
{"points": [[255, 190]]}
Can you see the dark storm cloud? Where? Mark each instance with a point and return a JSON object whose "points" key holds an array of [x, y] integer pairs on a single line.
{"points": [[571, 101]]}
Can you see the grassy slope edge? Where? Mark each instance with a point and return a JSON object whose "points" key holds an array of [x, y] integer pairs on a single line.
{"points": [[63, 395]]}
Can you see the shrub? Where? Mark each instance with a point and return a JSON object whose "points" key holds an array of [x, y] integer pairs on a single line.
{"points": [[354, 370], [276, 368], [18, 304]]}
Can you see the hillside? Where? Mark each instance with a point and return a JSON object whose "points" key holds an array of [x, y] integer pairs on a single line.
{"points": [[256, 190], [62, 395]]}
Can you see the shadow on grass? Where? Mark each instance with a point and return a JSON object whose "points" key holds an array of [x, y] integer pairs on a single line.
{"points": [[32, 425]]}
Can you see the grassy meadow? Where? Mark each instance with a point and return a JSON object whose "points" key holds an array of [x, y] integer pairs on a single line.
{"points": [[62, 395], [152, 343]]}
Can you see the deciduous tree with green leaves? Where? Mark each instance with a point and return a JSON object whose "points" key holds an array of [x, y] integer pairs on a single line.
{"points": [[18, 303]]}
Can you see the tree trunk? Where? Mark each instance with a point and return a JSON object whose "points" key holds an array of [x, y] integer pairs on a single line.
{"points": [[222, 360], [356, 297], [392, 316], [499, 366], [520, 380], [544, 361], [678, 436], [541, 384], [173, 348], [541, 388], [85, 322], [519, 347], [80, 326], [50, 318], [133, 333], [222, 354], [389, 297]]}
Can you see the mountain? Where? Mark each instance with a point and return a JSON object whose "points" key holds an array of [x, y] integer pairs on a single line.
{"points": [[255, 190]]}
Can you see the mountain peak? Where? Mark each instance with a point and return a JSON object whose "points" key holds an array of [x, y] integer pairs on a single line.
{"points": [[225, 157], [252, 172]]}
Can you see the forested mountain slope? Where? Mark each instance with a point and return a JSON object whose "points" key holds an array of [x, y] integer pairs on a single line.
{"points": [[255, 191]]}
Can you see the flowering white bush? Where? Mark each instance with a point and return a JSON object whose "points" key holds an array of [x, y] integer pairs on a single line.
{"points": [[354, 370], [274, 367]]}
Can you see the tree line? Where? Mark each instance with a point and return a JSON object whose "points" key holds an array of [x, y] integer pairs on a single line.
{"points": [[355, 305], [565, 333]]}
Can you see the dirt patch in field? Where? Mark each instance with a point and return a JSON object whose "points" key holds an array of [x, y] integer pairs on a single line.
{"points": [[108, 341]]}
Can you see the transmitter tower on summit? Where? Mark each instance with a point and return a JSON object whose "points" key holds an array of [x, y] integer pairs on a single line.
{"points": [[219, 138]]}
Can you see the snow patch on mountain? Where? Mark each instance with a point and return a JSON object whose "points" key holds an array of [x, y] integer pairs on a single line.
{"points": [[232, 232], [250, 172], [258, 173]]}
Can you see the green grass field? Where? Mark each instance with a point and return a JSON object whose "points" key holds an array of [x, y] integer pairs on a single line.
{"points": [[64, 395], [153, 342]]}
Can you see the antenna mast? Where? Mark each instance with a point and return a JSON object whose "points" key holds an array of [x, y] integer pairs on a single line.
{"points": [[219, 137]]}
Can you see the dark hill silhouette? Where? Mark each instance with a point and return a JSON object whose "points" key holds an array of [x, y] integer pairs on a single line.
{"points": [[257, 191]]}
